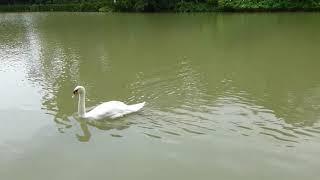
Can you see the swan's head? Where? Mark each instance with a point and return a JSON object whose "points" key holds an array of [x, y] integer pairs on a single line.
{"points": [[78, 90]]}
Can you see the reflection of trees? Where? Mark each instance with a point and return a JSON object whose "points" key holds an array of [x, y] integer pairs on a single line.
{"points": [[15, 25], [278, 73], [177, 85], [111, 54], [284, 88], [55, 64], [12, 33]]}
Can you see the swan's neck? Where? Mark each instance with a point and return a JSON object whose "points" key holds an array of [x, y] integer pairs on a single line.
{"points": [[82, 105]]}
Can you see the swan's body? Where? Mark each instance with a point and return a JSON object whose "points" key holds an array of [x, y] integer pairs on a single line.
{"points": [[111, 109]]}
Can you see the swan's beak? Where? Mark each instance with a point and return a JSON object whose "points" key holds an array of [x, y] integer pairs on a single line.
{"points": [[74, 93]]}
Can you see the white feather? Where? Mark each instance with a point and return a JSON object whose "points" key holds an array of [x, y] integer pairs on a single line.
{"points": [[111, 109]]}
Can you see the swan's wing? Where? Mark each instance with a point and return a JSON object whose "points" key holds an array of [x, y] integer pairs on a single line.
{"points": [[108, 109]]}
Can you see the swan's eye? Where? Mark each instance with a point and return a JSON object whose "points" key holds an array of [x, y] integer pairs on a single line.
{"points": [[75, 92]]}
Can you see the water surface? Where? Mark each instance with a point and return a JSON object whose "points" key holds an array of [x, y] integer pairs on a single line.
{"points": [[229, 96]]}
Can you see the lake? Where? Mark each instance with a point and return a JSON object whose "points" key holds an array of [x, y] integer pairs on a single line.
{"points": [[228, 96]]}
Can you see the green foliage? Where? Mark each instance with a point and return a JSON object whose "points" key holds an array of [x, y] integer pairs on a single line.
{"points": [[131, 5], [191, 7], [82, 7], [158, 5], [166, 5], [105, 9], [14, 8], [271, 5], [58, 7]]}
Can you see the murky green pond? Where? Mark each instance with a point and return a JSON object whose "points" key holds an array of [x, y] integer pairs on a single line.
{"points": [[229, 96]]}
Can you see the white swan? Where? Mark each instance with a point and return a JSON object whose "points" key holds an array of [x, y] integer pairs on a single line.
{"points": [[111, 109]]}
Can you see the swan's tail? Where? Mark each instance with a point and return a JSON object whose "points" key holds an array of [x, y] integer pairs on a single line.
{"points": [[136, 107]]}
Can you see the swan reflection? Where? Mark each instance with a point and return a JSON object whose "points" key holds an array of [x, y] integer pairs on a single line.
{"points": [[106, 125]]}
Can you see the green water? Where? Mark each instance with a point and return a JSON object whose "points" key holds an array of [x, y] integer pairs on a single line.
{"points": [[229, 96]]}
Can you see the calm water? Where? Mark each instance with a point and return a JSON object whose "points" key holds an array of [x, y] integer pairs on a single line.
{"points": [[229, 96]]}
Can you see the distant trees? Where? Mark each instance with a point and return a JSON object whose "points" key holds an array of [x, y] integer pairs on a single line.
{"points": [[166, 5], [41, 1]]}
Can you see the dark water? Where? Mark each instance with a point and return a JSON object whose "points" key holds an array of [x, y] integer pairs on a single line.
{"points": [[229, 96]]}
